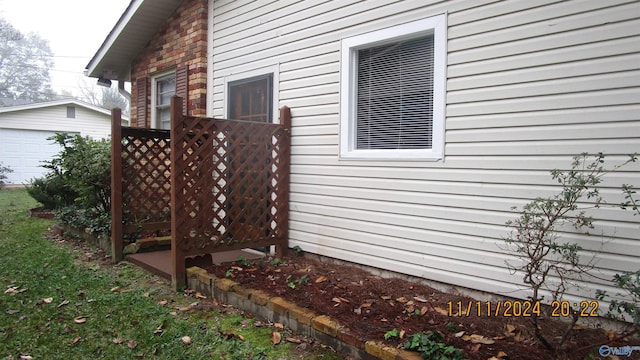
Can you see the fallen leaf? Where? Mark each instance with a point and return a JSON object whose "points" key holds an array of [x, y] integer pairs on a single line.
{"points": [[610, 334], [510, 328], [118, 340], [475, 347], [80, 319], [238, 268], [501, 354], [132, 344], [276, 338], [12, 290], [321, 278], [240, 337], [402, 299], [366, 305], [340, 300], [48, 300], [294, 340], [278, 325], [25, 357], [423, 310], [459, 334], [163, 302], [513, 331], [115, 288], [160, 327], [186, 340], [402, 333], [200, 296], [11, 312], [385, 297], [64, 303], [519, 336], [420, 299], [478, 339], [75, 340], [441, 311]]}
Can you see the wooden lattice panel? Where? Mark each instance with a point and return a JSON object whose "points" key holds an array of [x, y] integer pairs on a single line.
{"points": [[230, 184], [216, 185], [146, 180]]}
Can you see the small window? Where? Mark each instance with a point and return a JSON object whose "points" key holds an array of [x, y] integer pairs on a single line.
{"points": [[392, 96], [251, 99], [165, 88], [71, 112]]}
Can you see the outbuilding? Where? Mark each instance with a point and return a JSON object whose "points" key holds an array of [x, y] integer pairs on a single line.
{"points": [[25, 132]]}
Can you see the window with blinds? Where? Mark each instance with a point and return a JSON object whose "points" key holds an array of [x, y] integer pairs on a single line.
{"points": [[392, 92], [394, 106], [165, 89]]}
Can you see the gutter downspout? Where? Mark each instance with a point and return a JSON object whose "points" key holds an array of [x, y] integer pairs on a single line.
{"points": [[124, 92]]}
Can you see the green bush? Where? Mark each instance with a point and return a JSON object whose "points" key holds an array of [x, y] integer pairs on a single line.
{"points": [[4, 170], [52, 192], [78, 183]]}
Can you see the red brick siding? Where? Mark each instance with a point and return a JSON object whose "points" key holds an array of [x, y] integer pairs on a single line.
{"points": [[182, 41]]}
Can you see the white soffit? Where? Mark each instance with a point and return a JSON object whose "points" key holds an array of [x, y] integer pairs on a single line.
{"points": [[138, 24]]}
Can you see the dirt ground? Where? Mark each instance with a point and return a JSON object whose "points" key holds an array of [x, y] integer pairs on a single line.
{"points": [[371, 306]]}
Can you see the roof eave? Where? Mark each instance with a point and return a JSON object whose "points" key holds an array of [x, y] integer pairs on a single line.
{"points": [[137, 25]]}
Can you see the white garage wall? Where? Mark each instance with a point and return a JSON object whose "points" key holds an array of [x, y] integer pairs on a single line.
{"points": [[24, 131], [24, 151]]}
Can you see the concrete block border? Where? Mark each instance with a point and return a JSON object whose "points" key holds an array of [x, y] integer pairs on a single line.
{"points": [[301, 320]]}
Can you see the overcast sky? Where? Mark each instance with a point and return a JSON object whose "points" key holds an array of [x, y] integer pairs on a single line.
{"points": [[75, 30]]}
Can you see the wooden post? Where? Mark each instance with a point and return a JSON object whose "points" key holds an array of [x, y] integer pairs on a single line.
{"points": [[178, 276], [116, 185], [285, 121]]}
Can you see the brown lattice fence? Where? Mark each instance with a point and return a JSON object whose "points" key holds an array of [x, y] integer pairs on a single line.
{"points": [[220, 184]]}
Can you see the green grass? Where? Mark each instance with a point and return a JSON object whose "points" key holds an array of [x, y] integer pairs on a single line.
{"points": [[53, 306]]}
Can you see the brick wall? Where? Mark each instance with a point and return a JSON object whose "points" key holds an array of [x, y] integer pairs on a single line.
{"points": [[182, 41]]}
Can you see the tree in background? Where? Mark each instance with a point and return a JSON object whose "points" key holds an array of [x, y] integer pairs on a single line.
{"points": [[25, 61], [104, 97]]}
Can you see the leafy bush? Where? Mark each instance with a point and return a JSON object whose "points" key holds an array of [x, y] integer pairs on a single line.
{"points": [[628, 282], [4, 170], [52, 192], [431, 346], [548, 264], [78, 183]]}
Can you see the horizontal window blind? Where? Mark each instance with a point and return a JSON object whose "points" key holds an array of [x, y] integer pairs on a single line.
{"points": [[394, 107]]}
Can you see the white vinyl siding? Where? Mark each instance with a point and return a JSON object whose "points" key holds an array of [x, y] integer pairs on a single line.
{"points": [[529, 84]]}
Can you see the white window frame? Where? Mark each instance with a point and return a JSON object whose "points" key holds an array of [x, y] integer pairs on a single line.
{"points": [[435, 25], [155, 121], [273, 70]]}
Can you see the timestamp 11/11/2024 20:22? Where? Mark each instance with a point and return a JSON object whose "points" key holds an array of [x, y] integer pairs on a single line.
{"points": [[517, 308]]}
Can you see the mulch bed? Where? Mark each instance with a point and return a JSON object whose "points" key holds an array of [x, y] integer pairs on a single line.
{"points": [[372, 306]]}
